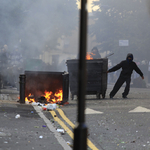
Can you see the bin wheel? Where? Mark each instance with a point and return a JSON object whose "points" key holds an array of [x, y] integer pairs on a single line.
{"points": [[98, 96], [103, 95], [72, 96]]}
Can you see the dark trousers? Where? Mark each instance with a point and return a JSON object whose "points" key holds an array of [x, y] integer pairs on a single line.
{"points": [[119, 83]]}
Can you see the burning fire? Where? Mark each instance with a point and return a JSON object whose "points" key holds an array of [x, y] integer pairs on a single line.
{"points": [[29, 98], [57, 97], [89, 55], [48, 96]]}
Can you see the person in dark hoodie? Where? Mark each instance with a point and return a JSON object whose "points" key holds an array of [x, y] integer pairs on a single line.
{"points": [[127, 66], [95, 54]]}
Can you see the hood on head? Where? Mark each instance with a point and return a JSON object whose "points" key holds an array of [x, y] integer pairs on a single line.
{"points": [[94, 48], [129, 55]]}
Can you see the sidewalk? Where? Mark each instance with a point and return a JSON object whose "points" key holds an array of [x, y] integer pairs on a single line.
{"points": [[32, 130]]}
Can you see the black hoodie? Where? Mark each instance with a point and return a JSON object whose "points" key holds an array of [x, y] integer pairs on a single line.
{"points": [[127, 67]]}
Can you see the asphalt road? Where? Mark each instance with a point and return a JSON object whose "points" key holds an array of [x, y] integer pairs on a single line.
{"points": [[112, 124], [28, 132]]}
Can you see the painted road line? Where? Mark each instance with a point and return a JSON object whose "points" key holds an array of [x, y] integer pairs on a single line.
{"points": [[59, 138], [89, 143], [65, 118], [62, 124], [139, 109], [91, 111]]}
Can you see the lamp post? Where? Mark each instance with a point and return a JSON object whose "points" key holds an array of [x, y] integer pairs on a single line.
{"points": [[80, 132]]}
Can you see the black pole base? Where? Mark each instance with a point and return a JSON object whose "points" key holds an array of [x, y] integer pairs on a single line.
{"points": [[22, 88], [80, 137]]}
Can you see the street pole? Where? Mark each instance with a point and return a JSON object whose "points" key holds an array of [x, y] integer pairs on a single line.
{"points": [[80, 132], [22, 88]]}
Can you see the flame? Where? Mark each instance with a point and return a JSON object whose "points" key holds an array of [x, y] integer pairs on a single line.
{"points": [[53, 98], [49, 96], [89, 56], [29, 99]]}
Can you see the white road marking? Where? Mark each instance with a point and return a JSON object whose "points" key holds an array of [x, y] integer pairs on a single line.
{"points": [[139, 109], [91, 111], [52, 129]]}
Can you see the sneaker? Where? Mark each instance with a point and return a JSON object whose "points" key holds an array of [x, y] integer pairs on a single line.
{"points": [[124, 96], [111, 97]]}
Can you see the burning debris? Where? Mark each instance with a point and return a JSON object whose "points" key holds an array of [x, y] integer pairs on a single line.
{"points": [[48, 101], [47, 97], [94, 54], [44, 87], [89, 55]]}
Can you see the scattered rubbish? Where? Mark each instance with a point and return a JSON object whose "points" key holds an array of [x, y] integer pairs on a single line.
{"points": [[34, 104], [44, 126], [17, 116], [5, 115], [40, 108], [61, 131], [122, 142], [51, 106], [40, 104], [36, 126], [2, 134], [27, 102], [52, 120], [37, 104], [32, 112], [44, 107], [5, 142], [65, 103], [69, 144], [40, 137]]}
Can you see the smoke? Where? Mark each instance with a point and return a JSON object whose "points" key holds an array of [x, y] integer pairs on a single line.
{"points": [[148, 5], [30, 29]]}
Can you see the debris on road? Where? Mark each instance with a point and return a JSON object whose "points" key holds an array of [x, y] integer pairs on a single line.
{"points": [[17, 116], [62, 131], [40, 137]]}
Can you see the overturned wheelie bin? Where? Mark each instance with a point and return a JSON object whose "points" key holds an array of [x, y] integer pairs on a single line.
{"points": [[96, 77]]}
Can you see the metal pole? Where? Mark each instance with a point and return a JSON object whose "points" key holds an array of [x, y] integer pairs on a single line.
{"points": [[22, 88], [0, 83], [80, 132]]}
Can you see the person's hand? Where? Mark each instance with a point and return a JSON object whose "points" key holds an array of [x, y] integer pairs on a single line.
{"points": [[142, 77]]}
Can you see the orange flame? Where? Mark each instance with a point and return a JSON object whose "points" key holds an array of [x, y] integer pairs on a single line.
{"points": [[89, 56], [49, 96], [29, 99]]}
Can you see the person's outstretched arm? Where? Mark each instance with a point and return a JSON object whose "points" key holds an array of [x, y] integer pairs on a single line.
{"points": [[137, 69], [115, 68]]}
